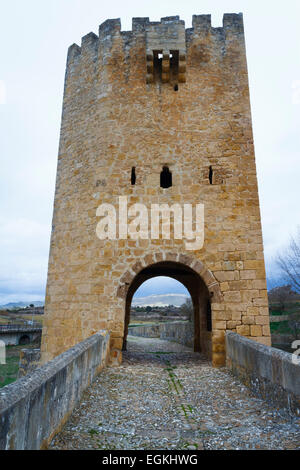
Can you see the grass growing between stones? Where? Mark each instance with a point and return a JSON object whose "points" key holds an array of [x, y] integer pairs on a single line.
{"points": [[178, 387], [158, 353]]}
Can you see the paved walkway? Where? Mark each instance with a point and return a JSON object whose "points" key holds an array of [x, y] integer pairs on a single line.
{"points": [[163, 396]]}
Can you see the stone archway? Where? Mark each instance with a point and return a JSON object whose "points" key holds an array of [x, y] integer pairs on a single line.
{"points": [[24, 339], [199, 281]]}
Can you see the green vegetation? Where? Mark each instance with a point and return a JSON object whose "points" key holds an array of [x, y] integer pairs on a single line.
{"points": [[290, 307], [158, 353], [283, 301], [291, 326], [9, 371], [188, 445], [281, 328], [184, 410]]}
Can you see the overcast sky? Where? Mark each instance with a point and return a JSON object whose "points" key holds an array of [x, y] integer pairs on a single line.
{"points": [[34, 38]]}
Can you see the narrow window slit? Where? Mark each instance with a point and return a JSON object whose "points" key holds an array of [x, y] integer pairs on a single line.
{"points": [[133, 176], [174, 68], [210, 175], [157, 65], [165, 178]]}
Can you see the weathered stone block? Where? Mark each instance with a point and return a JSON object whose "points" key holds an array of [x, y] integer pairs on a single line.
{"points": [[256, 330], [243, 330]]}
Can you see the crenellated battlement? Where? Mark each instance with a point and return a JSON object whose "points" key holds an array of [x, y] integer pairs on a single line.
{"points": [[171, 29], [167, 44], [109, 27]]}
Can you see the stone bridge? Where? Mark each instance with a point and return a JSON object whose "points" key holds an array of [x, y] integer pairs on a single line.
{"points": [[14, 335], [162, 396]]}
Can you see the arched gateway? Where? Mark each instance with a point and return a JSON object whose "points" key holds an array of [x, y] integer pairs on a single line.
{"points": [[156, 116], [198, 280]]}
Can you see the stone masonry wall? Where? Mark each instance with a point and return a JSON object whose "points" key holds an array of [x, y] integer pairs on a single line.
{"points": [[35, 407], [116, 117], [177, 331], [269, 372], [29, 361]]}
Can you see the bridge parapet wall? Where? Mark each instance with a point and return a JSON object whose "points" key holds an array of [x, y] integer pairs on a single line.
{"points": [[270, 373], [35, 407], [19, 328], [178, 331]]}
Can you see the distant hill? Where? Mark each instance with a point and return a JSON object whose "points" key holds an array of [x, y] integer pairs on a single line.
{"points": [[13, 305], [160, 300]]}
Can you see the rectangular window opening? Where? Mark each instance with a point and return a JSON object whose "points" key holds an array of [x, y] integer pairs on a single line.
{"points": [[157, 65], [133, 176]]}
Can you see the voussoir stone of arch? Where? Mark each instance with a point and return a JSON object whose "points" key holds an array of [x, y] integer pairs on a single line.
{"points": [[185, 259], [171, 256], [127, 277], [158, 257], [216, 295], [122, 291], [138, 266], [198, 267], [149, 259], [208, 277], [154, 258]]}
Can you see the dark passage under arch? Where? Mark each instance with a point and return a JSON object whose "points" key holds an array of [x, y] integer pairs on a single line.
{"points": [[197, 290], [24, 339]]}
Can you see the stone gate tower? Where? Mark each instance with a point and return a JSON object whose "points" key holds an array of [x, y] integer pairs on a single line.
{"points": [[160, 114]]}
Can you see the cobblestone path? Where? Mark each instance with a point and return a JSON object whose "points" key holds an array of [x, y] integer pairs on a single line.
{"points": [[163, 396]]}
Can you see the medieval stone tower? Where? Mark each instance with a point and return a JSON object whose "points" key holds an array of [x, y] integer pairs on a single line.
{"points": [[160, 114]]}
